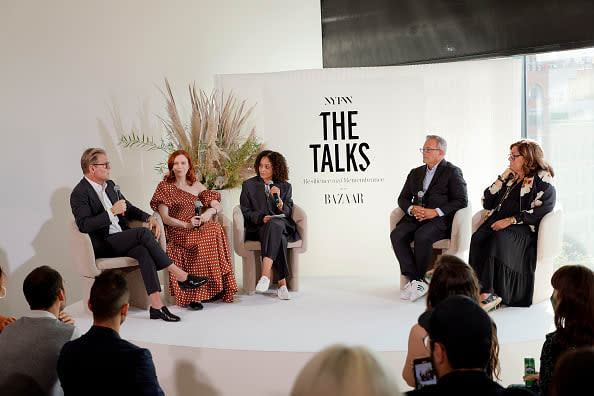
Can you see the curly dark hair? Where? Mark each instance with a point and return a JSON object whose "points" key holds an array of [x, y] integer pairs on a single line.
{"points": [[280, 170], [574, 313]]}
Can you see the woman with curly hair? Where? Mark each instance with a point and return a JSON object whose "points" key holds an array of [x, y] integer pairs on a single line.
{"points": [[195, 243], [452, 276], [267, 206], [503, 248], [573, 301]]}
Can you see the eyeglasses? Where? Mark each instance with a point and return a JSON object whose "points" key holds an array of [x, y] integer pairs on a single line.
{"points": [[513, 156], [106, 165], [428, 150], [427, 342]]}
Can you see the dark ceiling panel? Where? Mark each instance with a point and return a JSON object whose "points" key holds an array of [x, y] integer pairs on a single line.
{"points": [[391, 32]]}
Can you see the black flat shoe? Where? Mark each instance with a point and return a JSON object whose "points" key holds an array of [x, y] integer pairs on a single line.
{"points": [[192, 282], [195, 305], [164, 314], [216, 297]]}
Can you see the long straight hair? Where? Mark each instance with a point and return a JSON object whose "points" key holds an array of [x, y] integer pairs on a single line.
{"points": [[453, 277], [574, 313]]}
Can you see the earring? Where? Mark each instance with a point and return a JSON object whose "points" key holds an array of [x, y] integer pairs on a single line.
{"points": [[3, 292]]}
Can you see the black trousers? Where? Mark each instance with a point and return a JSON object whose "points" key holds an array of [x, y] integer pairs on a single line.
{"points": [[140, 244], [273, 237], [413, 264]]}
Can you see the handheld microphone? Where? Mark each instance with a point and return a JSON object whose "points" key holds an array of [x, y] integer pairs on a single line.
{"points": [[197, 207], [116, 188], [275, 195], [420, 196]]}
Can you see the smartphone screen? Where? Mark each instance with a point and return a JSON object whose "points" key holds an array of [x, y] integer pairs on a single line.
{"points": [[424, 372]]}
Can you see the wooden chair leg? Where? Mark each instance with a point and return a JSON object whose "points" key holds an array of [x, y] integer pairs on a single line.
{"points": [[138, 296], [293, 281], [249, 274]]}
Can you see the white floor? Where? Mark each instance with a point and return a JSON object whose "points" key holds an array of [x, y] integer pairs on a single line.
{"points": [[361, 311]]}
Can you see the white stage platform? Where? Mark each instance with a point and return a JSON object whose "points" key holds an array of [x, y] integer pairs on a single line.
{"points": [[260, 334]]}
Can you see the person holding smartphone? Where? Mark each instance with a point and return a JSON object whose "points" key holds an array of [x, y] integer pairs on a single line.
{"points": [[460, 345], [267, 206], [452, 277]]}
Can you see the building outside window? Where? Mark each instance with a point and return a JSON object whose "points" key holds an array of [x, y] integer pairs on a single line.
{"points": [[560, 116]]}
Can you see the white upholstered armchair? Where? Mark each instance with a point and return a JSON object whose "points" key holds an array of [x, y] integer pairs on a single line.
{"points": [[88, 267], [250, 251], [550, 235], [459, 242]]}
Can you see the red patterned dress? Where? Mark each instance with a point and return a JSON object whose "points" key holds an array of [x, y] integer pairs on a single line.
{"points": [[202, 252]]}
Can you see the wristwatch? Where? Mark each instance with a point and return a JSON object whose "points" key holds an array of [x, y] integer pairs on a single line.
{"points": [[513, 220]]}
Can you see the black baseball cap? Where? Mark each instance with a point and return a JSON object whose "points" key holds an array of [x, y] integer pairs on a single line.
{"points": [[463, 327]]}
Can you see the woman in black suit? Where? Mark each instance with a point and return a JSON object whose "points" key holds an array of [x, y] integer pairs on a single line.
{"points": [[267, 207]]}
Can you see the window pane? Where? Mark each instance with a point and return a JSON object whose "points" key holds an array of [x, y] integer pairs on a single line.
{"points": [[560, 115]]}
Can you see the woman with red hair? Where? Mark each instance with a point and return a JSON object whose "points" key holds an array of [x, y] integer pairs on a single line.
{"points": [[195, 243]]}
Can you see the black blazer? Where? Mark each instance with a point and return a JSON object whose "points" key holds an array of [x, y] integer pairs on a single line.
{"points": [[254, 204], [537, 198], [101, 363], [92, 218], [447, 191]]}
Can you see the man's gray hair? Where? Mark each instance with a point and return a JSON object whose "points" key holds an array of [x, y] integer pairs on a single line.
{"points": [[441, 142]]}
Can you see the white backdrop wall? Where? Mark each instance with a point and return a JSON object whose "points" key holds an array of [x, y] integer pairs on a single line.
{"points": [[475, 105], [76, 74]]}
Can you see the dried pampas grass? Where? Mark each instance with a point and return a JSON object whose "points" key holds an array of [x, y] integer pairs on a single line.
{"points": [[215, 137]]}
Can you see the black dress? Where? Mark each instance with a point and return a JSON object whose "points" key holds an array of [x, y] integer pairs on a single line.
{"points": [[505, 260], [275, 235]]}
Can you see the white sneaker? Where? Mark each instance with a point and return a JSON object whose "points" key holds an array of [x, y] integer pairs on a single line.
{"points": [[263, 284], [405, 293], [418, 290], [283, 293]]}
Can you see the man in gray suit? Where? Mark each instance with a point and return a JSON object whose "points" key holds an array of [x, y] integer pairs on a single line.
{"points": [[31, 345]]}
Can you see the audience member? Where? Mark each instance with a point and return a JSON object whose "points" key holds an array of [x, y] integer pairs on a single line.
{"points": [[100, 362], [339, 370], [572, 372], [452, 277], [573, 301], [30, 346], [4, 320], [460, 339]]}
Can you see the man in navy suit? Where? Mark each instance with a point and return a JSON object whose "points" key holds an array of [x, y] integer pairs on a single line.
{"points": [[100, 362], [103, 213], [430, 197]]}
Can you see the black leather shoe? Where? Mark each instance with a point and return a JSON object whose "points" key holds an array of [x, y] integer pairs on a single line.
{"points": [[192, 282], [195, 305], [164, 314], [216, 297]]}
